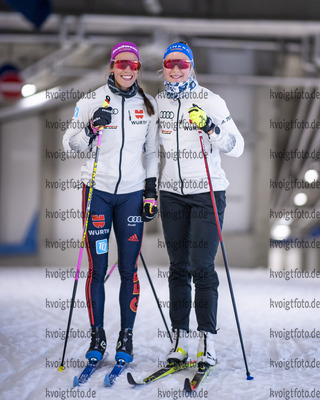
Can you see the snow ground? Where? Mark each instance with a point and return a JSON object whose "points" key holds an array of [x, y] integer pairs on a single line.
{"points": [[31, 313]]}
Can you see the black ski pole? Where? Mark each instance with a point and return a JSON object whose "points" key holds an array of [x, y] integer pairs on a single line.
{"points": [[249, 377], [110, 272], [155, 296]]}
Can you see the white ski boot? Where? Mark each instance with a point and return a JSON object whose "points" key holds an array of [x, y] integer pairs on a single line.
{"points": [[206, 352], [179, 352]]}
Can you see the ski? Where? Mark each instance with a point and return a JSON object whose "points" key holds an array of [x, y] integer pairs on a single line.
{"points": [[116, 371], [169, 369], [203, 371], [86, 373]]}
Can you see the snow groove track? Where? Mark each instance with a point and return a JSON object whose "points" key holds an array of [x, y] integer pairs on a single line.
{"points": [[29, 356]]}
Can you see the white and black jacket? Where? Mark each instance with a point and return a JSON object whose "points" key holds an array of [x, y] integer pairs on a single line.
{"points": [[183, 168], [129, 145]]}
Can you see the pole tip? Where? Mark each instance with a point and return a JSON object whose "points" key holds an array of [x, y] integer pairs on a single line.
{"points": [[61, 368], [249, 377]]}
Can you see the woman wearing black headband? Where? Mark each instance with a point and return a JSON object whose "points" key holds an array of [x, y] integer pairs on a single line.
{"points": [[187, 214]]}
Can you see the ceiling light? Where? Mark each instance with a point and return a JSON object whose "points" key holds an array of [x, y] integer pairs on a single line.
{"points": [[311, 175], [280, 232], [153, 7], [300, 199], [28, 90]]}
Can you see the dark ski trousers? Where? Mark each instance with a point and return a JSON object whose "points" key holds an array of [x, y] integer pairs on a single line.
{"points": [[192, 240], [123, 211]]}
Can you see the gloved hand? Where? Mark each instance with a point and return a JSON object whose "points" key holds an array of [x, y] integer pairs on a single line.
{"points": [[150, 209], [150, 205], [100, 118], [200, 118]]}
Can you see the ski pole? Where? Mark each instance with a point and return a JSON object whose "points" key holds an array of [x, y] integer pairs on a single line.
{"points": [[155, 296], [75, 285], [249, 377], [110, 272]]}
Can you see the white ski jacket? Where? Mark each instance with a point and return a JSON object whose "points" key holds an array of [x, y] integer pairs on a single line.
{"points": [[130, 138], [182, 165]]}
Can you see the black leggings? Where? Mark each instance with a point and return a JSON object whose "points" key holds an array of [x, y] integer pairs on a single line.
{"points": [[192, 240]]}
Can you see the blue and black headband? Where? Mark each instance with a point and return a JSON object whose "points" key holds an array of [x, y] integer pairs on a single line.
{"points": [[183, 48]]}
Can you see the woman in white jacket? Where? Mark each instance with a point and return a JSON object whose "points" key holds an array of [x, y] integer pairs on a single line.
{"points": [[122, 181], [187, 214]]}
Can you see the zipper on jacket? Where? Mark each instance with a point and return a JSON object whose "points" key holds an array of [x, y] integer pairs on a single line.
{"points": [[178, 151], [120, 158]]}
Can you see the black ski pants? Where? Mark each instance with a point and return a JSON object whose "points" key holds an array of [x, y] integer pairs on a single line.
{"points": [[192, 240]]}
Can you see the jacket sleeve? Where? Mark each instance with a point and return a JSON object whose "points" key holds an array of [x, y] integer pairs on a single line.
{"points": [[229, 141], [152, 145], [75, 137]]}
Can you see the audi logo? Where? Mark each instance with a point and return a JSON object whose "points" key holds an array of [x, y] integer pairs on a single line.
{"points": [[167, 114], [134, 219]]}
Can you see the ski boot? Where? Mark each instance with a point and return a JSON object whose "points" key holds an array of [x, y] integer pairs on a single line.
{"points": [[98, 344], [179, 352], [124, 349], [206, 352]]}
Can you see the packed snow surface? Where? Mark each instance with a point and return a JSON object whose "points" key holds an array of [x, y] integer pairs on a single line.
{"points": [[279, 319]]}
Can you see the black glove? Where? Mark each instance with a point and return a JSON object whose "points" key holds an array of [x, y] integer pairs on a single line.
{"points": [[150, 205], [100, 118]]}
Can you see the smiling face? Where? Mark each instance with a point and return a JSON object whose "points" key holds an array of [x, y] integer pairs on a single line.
{"points": [[125, 78], [176, 74]]}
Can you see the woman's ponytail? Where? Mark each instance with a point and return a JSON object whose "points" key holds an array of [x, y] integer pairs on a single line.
{"points": [[147, 102]]}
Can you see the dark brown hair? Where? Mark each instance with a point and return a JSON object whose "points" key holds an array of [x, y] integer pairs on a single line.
{"points": [[147, 102]]}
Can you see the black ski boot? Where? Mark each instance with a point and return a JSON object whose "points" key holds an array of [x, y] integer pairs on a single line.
{"points": [[124, 348], [98, 344]]}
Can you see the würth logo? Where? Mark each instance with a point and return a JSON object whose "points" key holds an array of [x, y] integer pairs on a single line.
{"points": [[98, 221], [133, 238], [138, 114]]}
